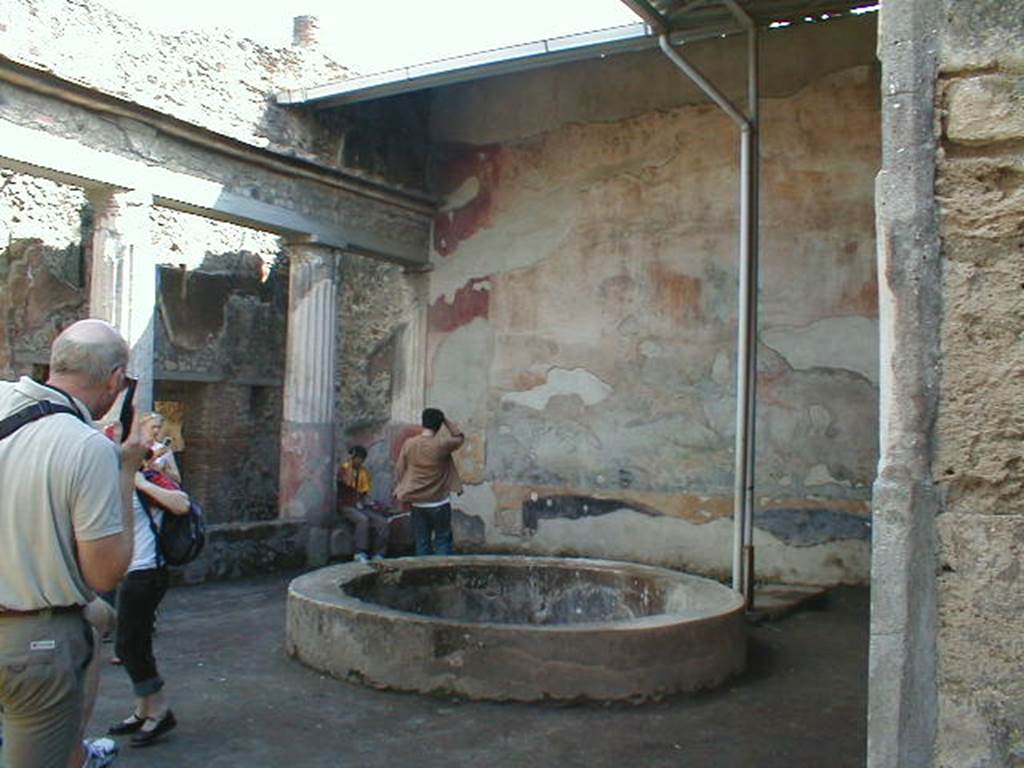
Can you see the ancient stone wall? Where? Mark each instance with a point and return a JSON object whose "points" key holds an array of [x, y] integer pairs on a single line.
{"points": [[222, 289], [43, 267], [583, 307], [373, 302], [980, 427], [220, 82]]}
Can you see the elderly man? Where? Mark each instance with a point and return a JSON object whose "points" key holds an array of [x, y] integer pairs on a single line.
{"points": [[66, 531]]}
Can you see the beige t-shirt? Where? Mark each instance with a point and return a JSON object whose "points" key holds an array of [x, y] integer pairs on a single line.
{"points": [[58, 484]]}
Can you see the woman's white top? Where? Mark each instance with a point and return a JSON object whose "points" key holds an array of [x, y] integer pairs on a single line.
{"points": [[145, 543]]}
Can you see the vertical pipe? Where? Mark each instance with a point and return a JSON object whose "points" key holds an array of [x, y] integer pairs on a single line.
{"points": [[741, 453], [746, 321], [753, 211]]}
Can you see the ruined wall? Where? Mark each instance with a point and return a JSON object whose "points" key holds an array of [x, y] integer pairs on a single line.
{"points": [[583, 308], [222, 297], [374, 303], [43, 267], [220, 354], [980, 428], [219, 81]]}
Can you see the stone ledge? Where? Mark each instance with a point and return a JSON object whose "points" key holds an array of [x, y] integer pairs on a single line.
{"points": [[237, 550]]}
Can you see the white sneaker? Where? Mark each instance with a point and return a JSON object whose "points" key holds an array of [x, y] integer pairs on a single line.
{"points": [[99, 753], [361, 557]]}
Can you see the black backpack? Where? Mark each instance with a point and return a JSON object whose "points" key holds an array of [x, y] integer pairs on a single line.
{"points": [[180, 538]]}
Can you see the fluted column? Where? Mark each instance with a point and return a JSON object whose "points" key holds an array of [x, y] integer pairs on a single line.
{"points": [[122, 287], [307, 428]]}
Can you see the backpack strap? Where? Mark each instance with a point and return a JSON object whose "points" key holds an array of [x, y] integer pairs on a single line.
{"points": [[25, 416], [152, 526]]}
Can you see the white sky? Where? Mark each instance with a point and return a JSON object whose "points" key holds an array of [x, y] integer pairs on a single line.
{"points": [[374, 35]]}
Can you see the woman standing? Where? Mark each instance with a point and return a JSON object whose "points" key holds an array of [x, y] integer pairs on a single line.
{"points": [[163, 457], [137, 599]]}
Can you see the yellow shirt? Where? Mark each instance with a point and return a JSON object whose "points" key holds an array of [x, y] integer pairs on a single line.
{"points": [[361, 485]]}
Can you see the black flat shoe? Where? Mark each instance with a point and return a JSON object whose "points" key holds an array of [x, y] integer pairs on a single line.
{"points": [[143, 738], [131, 725]]}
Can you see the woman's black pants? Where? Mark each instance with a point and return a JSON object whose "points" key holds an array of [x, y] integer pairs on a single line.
{"points": [[137, 600]]}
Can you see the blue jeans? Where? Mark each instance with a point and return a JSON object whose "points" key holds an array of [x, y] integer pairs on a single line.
{"points": [[432, 527]]}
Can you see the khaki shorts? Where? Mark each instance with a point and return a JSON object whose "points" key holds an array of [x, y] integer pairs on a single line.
{"points": [[43, 658]]}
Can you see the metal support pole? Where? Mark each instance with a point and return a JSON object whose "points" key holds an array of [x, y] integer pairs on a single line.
{"points": [[753, 210], [743, 406], [746, 330]]}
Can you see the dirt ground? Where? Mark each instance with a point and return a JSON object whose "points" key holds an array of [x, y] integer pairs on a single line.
{"points": [[241, 702]]}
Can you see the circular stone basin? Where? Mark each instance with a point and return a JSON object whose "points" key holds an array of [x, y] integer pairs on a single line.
{"points": [[520, 628]]}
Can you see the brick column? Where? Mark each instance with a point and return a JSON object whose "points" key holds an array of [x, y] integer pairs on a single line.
{"points": [[307, 427], [122, 287]]}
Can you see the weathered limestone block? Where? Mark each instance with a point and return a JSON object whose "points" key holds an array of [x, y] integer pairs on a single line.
{"points": [[980, 423], [981, 599], [982, 196], [985, 109], [985, 34]]}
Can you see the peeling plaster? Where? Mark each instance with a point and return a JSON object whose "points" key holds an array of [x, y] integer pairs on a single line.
{"points": [[573, 508], [845, 343], [463, 195], [625, 535], [578, 381], [819, 475], [524, 235], [460, 370], [470, 301], [807, 527]]}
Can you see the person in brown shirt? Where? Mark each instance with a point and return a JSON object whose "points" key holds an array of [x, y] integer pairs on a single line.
{"points": [[426, 478]]}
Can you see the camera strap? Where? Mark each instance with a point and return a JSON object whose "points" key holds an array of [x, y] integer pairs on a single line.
{"points": [[16, 421]]}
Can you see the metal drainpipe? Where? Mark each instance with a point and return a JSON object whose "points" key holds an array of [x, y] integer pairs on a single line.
{"points": [[746, 331], [752, 194]]}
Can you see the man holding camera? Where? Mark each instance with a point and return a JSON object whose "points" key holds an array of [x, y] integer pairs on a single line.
{"points": [[426, 478], [66, 529]]}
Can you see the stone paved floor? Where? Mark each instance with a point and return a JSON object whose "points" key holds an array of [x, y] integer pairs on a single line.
{"points": [[241, 702]]}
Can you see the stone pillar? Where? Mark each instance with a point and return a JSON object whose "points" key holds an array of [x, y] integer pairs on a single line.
{"points": [[902, 695], [307, 428], [122, 287], [410, 374]]}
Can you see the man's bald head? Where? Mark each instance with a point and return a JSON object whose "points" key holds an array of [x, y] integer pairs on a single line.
{"points": [[89, 349]]}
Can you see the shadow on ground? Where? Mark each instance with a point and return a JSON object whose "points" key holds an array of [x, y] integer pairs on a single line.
{"points": [[241, 702]]}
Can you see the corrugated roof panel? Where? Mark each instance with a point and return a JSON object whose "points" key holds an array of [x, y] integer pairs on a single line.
{"points": [[683, 20]]}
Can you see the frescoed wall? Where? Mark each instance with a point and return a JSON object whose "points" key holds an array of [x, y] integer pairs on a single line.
{"points": [[582, 313]]}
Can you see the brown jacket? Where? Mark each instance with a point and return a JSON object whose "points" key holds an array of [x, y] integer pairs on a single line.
{"points": [[426, 471]]}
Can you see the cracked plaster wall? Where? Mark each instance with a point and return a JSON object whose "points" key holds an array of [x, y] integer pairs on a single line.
{"points": [[582, 314]]}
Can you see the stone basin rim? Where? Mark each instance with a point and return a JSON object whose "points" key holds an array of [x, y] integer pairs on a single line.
{"points": [[314, 587]]}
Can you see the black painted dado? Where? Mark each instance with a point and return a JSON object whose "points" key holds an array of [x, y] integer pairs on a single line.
{"points": [[575, 507]]}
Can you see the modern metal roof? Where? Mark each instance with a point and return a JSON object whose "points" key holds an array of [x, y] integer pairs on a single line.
{"points": [[683, 20], [709, 16]]}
